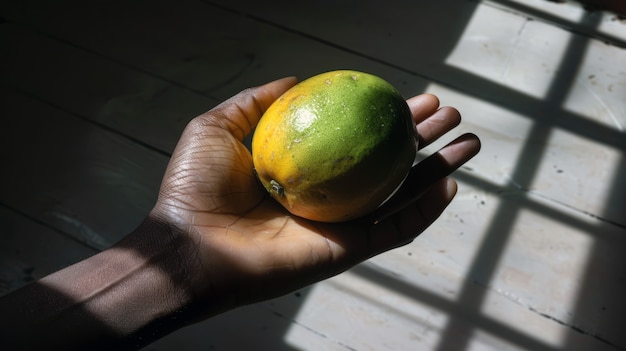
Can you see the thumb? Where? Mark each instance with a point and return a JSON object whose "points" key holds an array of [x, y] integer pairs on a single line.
{"points": [[240, 114]]}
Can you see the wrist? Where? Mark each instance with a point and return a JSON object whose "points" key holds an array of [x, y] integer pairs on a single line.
{"points": [[164, 271], [145, 285], [173, 248], [122, 298]]}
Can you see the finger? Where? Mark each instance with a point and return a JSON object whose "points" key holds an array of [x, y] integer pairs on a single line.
{"points": [[423, 106], [404, 226], [442, 163], [241, 113], [436, 125], [428, 172], [419, 201], [428, 208]]}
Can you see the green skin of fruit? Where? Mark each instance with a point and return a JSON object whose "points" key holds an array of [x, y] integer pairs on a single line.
{"points": [[351, 141]]}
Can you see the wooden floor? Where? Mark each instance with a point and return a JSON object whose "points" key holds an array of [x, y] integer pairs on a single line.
{"points": [[530, 255]]}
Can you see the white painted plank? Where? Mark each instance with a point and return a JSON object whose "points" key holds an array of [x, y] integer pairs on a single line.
{"points": [[567, 14], [542, 253], [377, 309], [135, 103], [257, 326], [29, 251], [90, 183], [203, 47]]}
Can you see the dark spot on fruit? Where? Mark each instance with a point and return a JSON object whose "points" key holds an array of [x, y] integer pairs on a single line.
{"points": [[346, 159], [319, 195]]}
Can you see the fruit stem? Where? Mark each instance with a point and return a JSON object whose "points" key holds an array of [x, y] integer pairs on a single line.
{"points": [[277, 188]]}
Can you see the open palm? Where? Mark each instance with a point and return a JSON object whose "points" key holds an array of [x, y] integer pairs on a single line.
{"points": [[248, 247]]}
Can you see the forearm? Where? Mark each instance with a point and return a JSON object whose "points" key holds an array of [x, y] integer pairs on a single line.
{"points": [[121, 298]]}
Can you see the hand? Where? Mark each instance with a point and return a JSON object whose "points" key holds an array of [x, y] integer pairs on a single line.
{"points": [[246, 247]]}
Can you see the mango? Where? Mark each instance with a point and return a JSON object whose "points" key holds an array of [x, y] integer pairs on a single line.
{"points": [[335, 146]]}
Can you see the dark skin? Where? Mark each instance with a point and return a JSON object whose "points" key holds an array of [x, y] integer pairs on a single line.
{"points": [[215, 240]]}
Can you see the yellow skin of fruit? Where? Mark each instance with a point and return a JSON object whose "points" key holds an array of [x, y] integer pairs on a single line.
{"points": [[335, 146]]}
